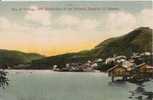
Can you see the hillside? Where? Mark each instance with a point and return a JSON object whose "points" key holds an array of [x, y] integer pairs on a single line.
{"points": [[138, 40], [11, 57]]}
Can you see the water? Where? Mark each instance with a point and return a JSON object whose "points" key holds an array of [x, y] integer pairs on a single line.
{"points": [[47, 85]]}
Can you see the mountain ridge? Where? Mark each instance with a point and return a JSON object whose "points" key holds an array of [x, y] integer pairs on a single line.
{"points": [[14, 57], [138, 40]]}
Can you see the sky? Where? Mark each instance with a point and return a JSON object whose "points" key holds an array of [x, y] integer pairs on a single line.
{"points": [[52, 28]]}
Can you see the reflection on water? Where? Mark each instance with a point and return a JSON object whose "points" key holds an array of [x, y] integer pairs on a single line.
{"points": [[140, 93], [118, 83]]}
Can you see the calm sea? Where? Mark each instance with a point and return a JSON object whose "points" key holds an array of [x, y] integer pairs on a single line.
{"points": [[48, 85]]}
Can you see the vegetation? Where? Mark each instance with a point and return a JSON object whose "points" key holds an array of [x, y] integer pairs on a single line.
{"points": [[104, 67], [59, 60], [3, 79], [11, 58], [139, 40]]}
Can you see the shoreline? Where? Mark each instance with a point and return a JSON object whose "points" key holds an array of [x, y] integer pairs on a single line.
{"points": [[46, 70], [94, 71]]}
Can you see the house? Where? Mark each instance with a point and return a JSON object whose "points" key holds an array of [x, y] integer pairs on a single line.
{"points": [[109, 60], [55, 68], [120, 57], [128, 65], [145, 54], [118, 71], [145, 70], [99, 60]]}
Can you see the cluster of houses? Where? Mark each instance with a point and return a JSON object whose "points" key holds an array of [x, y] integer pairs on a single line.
{"points": [[89, 66], [134, 72], [137, 66]]}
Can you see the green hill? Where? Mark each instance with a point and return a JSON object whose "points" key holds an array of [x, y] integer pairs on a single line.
{"points": [[138, 40], [11, 57]]}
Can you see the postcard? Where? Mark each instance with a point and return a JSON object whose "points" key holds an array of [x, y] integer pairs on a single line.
{"points": [[76, 50]]}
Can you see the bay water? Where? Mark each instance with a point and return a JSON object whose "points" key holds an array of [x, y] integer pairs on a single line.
{"points": [[49, 85]]}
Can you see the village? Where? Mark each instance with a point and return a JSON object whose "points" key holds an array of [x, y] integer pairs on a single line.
{"points": [[137, 67]]}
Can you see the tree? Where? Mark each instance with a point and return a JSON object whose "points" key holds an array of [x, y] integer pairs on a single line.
{"points": [[3, 78], [104, 67]]}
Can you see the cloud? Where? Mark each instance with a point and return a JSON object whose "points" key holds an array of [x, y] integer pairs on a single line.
{"points": [[89, 24], [68, 21], [68, 30], [37, 15], [4, 23], [76, 23], [120, 22], [145, 18], [10, 26]]}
